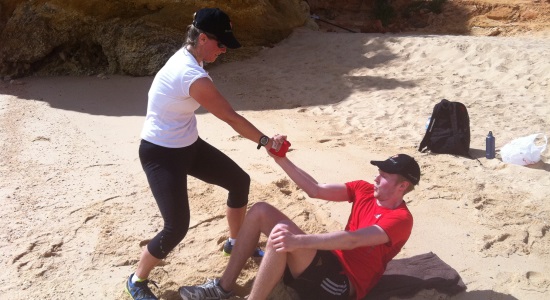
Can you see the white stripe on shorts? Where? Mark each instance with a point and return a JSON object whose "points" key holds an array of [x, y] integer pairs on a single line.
{"points": [[333, 288]]}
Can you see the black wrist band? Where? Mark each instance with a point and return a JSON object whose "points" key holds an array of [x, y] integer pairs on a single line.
{"points": [[262, 142]]}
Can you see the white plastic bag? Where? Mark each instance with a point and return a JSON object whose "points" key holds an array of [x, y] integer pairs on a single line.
{"points": [[523, 151]]}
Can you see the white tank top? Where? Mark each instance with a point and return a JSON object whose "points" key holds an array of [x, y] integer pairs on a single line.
{"points": [[170, 120]]}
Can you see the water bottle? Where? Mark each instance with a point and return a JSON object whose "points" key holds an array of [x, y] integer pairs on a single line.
{"points": [[490, 146]]}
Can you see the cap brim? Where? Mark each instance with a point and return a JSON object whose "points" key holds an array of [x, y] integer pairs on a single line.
{"points": [[229, 41], [389, 167], [384, 166]]}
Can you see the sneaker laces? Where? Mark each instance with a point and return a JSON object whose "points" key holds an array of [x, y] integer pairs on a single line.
{"points": [[143, 286], [212, 287], [209, 283], [153, 282]]}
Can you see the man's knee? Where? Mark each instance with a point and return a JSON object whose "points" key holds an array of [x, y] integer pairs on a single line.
{"points": [[282, 225], [260, 209], [262, 212]]}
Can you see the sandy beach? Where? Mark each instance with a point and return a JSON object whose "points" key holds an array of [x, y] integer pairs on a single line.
{"points": [[76, 206]]}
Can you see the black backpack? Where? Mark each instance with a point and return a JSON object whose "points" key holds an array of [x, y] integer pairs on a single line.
{"points": [[448, 130]]}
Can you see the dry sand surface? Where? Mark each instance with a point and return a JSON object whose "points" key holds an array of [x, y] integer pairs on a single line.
{"points": [[76, 205]]}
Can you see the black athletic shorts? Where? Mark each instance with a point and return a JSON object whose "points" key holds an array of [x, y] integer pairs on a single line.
{"points": [[323, 279]]}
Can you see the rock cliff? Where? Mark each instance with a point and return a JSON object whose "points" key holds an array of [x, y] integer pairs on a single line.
{"points": [[136, 37], [464, 17], [133, 37]]}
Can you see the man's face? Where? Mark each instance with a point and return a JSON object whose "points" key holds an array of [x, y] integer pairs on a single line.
{"points": [[386, 186]]}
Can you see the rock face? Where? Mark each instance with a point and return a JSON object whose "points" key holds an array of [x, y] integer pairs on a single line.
{"points": [[136, 37], [133, 37], [465, 17]]}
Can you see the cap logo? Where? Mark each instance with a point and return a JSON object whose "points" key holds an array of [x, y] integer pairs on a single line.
{"points": [[412, 176]]}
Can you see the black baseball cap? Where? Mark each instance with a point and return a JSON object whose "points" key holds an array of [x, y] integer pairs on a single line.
{"points": [[215, 22], [401, 164]]}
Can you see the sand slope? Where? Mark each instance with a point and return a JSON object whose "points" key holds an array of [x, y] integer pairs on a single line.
{"points": [[76, 205]]}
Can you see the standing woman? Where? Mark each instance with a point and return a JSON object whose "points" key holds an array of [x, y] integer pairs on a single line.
{"points": [[171, 148]]}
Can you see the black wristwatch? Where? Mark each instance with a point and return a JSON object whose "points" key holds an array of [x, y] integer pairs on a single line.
{"points": [[263, 141]]}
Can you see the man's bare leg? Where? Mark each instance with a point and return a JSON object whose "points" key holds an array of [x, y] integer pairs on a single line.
{"points": [[274, 264], [260, 219]]}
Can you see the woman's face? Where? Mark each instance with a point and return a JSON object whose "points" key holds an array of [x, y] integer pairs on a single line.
{"points": [[212, 49]]}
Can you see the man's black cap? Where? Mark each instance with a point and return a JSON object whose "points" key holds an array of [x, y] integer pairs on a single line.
{"points": [[401, 164]]}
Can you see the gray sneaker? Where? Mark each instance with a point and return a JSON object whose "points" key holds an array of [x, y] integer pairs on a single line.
{"points": [[211, 290]]}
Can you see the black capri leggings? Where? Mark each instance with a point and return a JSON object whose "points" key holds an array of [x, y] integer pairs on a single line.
{"points": [[167, 170]]}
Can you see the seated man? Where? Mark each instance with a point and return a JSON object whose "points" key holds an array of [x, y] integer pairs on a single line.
{"points": [[336, 265]]}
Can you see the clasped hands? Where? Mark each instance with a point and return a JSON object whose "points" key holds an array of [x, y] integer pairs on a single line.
{"points": [[279, 145]]}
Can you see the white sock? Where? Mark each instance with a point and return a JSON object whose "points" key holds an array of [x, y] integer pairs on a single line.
{"points": [[232, 241], [136, 279]]}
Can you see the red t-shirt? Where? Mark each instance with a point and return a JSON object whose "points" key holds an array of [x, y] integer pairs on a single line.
{"points": [[365, 265]]}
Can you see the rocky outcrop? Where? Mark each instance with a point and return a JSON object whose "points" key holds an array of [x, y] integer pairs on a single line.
{"points": [[136, 37], [133, 37], [466, 17]]}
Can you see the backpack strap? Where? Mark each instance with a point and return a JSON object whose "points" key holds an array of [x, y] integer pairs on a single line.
{"points": [[424, 143], [435, 114], [454, 124]]}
